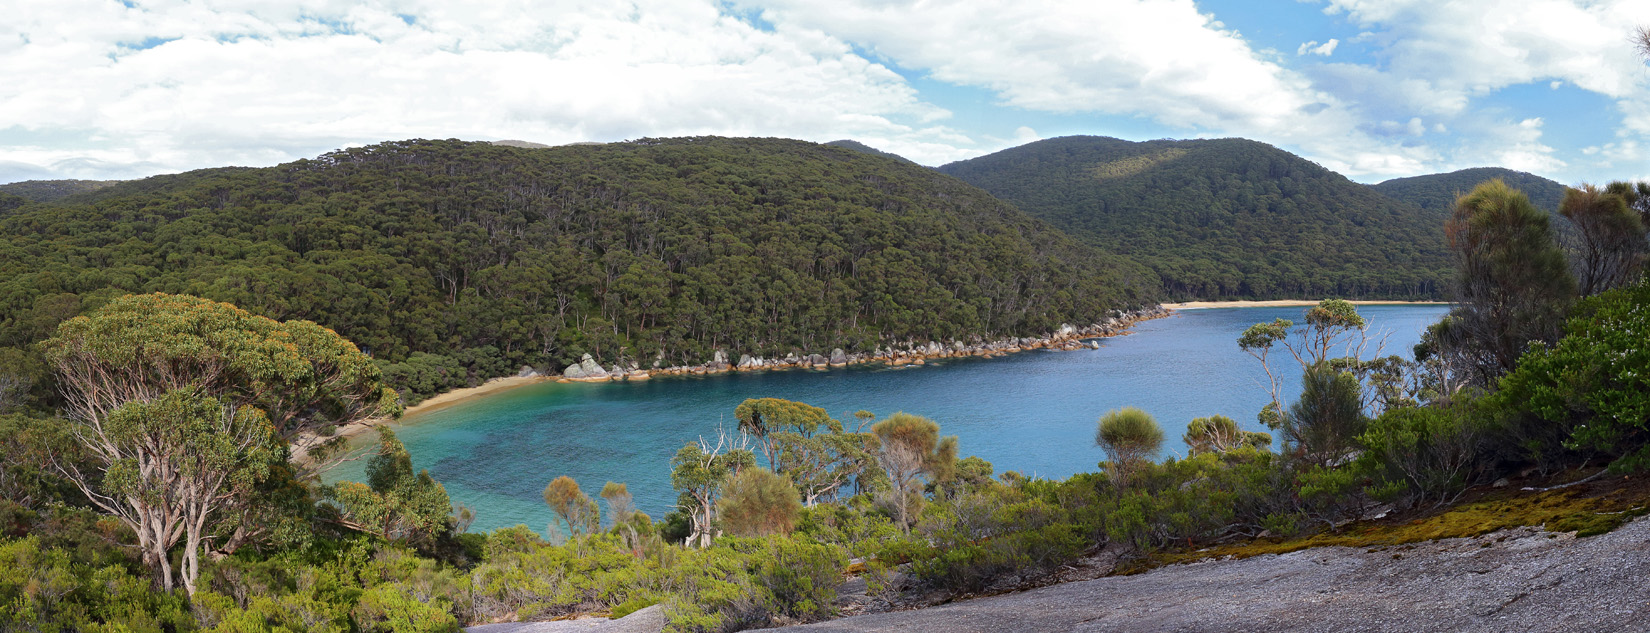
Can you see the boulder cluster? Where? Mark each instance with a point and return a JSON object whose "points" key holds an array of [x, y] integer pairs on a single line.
{"points": [[1067, 337]]}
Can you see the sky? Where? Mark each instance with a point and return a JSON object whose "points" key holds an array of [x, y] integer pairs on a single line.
{"points": [[1373, 89]]}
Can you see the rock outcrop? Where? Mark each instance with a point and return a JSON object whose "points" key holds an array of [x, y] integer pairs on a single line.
{"points": [[911, 353]]}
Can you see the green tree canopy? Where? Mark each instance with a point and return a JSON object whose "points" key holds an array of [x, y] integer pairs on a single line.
{"points": [[1130, 437]]}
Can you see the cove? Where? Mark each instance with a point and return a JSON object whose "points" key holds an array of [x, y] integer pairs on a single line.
{"points": [[1033, 412]]}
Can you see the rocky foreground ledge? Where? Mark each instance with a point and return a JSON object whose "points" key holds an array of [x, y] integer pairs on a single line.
{"points": [[1067, 337], [1522, 579]]}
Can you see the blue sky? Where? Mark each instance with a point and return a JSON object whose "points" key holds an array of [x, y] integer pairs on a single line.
{"points": [[1372, 89]]}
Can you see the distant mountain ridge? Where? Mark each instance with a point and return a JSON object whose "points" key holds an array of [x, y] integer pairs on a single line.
{"points": [[1437, 192], [53, 190], [1225, 218], [861, 147]]}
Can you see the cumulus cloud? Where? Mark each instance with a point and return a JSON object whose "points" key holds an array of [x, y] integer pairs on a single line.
{"points": [[99, 89], [1313, 47], [168, 85]]}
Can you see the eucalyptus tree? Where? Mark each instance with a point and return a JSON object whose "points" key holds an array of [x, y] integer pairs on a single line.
{"points": [[758, 502], [1514, 284], [698, 472], [572, 506], [1611, 247], [909, 449], [182, 405], [763, 418]]}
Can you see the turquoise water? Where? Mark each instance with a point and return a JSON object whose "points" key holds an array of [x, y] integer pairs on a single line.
{"points": [[1034, 412]]}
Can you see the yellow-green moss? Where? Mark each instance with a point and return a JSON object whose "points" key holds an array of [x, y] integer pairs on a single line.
{"points": [[1556, 511]]}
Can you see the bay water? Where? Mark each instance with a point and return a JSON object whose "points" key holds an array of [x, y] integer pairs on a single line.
{"points": [[1034, 412]]}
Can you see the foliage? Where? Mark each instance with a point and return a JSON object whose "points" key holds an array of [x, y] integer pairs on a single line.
{"points": [[652, 250], [757, 502], [1514, 284], [982, 535], [1320, 427], [1331, 331], [1591, 390], [575, 509], [1438, 192], [1423, 455], [1610, 245], [909, 448], [1222, 218], [52, 190], [397, 504], [1218, 434], [698, 472], [139, 347], [1130, 437], [44, 589], [826, 465], [764, 417]]}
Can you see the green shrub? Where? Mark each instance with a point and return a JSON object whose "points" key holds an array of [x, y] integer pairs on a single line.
{"points": [[1421, 455], [400, 608]]}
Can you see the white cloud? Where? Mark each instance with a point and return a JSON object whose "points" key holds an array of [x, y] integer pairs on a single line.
{"points": [[1326, 49], [261, 82], [92, 88], [1470, 48], [1123, 56]]}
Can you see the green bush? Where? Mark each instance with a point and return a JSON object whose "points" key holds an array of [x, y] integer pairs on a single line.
{"points": [[1588, 392], [1422, 455]]}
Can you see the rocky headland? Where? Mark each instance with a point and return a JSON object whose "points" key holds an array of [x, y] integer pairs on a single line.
{"points": [[1067, 337]]}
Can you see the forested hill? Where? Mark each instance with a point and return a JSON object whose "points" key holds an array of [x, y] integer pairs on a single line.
{"points": [[492, 256], [861, 147], [1227, 218], [1437, 192], [49, 190]]}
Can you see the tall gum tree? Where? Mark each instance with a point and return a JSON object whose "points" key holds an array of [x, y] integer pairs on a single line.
{"points": [[181, 403]]}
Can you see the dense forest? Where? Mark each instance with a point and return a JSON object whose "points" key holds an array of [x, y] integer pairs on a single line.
{"points": [[50, 190], [861, 147], [451, 260], [1227, 218], [1437, 192]]}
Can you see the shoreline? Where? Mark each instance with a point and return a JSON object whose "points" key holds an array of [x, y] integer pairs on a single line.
{"points": [[300, 447], [1284, 303], [1067, 339]]}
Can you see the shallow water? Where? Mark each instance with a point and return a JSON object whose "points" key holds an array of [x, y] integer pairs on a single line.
{"points": [[1033, 412]]}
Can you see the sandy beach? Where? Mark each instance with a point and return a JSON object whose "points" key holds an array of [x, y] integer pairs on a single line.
{"points": [[1284, 303], [300, 447], [495, 385]]}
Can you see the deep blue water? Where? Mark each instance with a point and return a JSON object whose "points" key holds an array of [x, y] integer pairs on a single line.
{"points": [[1034, 412]]}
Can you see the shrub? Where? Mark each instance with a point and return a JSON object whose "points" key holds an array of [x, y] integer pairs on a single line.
{"points": [[1422, 454], [1320, 427], [1129, 437], [1591, 390], [758, 502]]}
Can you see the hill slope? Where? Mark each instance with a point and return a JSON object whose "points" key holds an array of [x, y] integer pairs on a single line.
{"points": [[1437, 192], [496, 256], [861, 147], [50, 190], [1227, 218]]}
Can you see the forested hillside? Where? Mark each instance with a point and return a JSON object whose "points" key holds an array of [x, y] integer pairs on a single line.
{"points": [[1227, 218], [49, 190], [471, 259], [861, 147], [1437, 192]]}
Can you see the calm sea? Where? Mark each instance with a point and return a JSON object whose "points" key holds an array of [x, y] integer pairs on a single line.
{"points": [[1033, 412]]}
